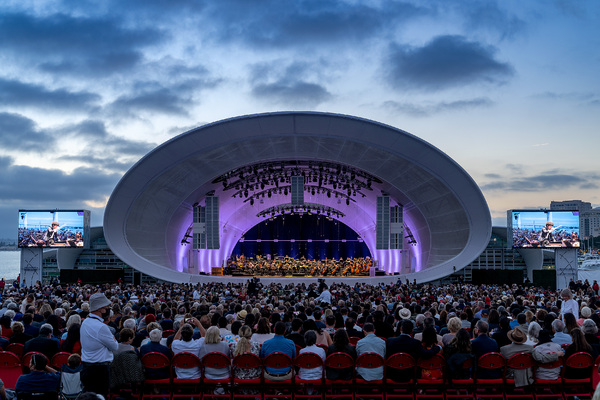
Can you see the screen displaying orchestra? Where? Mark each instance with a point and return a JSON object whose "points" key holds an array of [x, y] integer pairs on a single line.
{"points": [[288, 266]]}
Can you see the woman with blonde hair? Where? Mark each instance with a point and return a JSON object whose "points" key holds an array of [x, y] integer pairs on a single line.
{"points": [[569, 305], [454, 325], [245, 345], [212, 344]]}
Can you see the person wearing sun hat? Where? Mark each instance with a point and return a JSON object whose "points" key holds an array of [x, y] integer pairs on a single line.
{"points": [[97, 346], [523, 377]]}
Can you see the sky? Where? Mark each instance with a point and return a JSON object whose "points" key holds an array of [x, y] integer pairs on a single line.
{"points": [[510, 90]]}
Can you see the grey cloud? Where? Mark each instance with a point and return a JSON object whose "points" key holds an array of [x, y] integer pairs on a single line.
{"points": [[76, 44], [548, 180], [445, 62], [424, 110], [21, 133], [488, 16], [285, 24], [14, 93]]}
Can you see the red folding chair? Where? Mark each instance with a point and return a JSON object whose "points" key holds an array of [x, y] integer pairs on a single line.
{"points": [[369, 388], [582, 386], [211, 386], [402, 366], [354, 340], [544, 388], [154, 388], [308, 388], [489, 381], [323, 346], [246, 387], [10, 369], [339, 364], [463, 386], [59, 359], [281, 388], [16, 349], [167, 333], [430, 377], [518, 363], [185, 387]]}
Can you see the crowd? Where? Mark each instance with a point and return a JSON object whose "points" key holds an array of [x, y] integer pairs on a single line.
{"points": [[108, 328]]}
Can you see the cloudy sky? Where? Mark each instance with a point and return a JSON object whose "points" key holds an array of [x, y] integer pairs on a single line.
{"points": [[509, 89]]}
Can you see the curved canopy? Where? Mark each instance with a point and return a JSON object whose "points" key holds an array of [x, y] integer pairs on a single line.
{"points": [[150, 210]]}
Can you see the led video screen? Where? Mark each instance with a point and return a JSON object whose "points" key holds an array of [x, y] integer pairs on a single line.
{"points": [[543, 228], [54, 228]]}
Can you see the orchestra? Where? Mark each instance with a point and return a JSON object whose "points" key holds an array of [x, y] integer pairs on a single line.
{"points": [[288, 266]]}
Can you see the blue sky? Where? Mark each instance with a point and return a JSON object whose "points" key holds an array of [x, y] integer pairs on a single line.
{"points": [[509, 89]]}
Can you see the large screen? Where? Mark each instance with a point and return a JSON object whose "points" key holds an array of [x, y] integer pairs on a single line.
{"points": [[543, 228], [54, 228]]}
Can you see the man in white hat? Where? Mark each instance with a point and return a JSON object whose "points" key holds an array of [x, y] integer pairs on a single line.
{"points": [[97, 346]]}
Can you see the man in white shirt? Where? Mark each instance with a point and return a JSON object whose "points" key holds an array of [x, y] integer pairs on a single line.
{"points": [[97, 346], [183, 341]]}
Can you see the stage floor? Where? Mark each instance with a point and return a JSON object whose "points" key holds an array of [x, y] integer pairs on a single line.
{"points": [[265, 280]]}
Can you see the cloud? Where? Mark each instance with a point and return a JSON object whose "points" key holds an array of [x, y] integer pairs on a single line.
{"points": [[546, 181], [21, 133], [295, 84], [425, 110], [445, 62], [273, 23], [38, 187], [14, 93], [488, 16], [80, 45]]}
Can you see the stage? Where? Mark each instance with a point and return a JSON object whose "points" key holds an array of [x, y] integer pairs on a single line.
{"points": [[266, 280]]}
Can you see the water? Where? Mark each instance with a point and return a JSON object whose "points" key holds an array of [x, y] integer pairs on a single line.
{"points": [[10, 262]]}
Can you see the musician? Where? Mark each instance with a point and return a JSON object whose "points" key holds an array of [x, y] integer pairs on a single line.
{"points": [[546, 235], [51, 234]]}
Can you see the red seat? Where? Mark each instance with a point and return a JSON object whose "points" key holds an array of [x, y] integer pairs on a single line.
{"points": [[339, 388], [59, 359], [16, 349], [354, 340], [185, 387], [490, 387], [374, 388], [520, 361], [462, 387], [306, 388], [283, 388], [583, 385], [323, 346], [431, 386], [246, 387], [151, 361], [10, 369], [544, 388], [217, 361], [167, 333], [405, 364]]}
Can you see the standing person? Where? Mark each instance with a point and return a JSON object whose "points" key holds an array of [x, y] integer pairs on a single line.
{"points": [[97, 346], [569, 305]]}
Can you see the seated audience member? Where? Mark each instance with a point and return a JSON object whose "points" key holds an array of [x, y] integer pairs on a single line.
{"points": [[278, 344], [296, 335], [559, 336], [184, 341], [454, 325], [579, 344], [590, 331], [350, 326], [323, 337], [214, 344], [263, 331], [125, 339], [19, 335], [245, 345], [41, 379], [456, 353], [70, 377], [341, 344], [546, 351], [310, 338], [370, 344], [523, 377], [43, 343], [483, 344], [72, 343]]}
